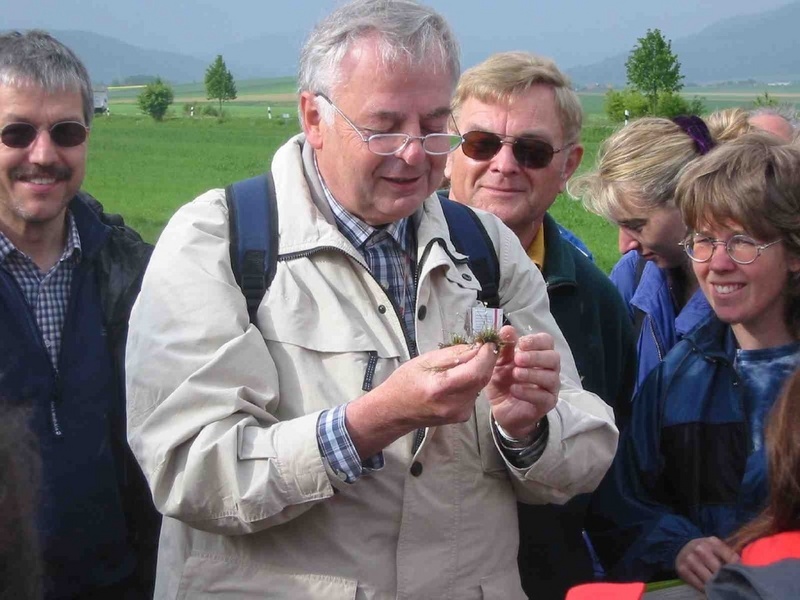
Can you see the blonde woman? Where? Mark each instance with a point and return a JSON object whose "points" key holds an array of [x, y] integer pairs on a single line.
{"points": [[633, 186]]}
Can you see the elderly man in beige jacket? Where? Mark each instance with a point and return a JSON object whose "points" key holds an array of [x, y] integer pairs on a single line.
{"points": [[333, 450]]}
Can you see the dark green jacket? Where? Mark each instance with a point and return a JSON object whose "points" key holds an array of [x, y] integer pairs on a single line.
{"points": [[597, 326]]}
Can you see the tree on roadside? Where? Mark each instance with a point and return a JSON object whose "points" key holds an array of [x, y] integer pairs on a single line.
{"points": [[155, 99], [219, 82], [653, 68]]}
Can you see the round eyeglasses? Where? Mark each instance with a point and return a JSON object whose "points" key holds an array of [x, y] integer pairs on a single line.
{"points": [[530, 152], [741, 248], [386, 144], [66, 134]]}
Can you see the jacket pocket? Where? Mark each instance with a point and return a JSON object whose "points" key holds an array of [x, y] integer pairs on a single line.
{"points": [[324, 366], [503, 586], [463, 277], [207, 577]]}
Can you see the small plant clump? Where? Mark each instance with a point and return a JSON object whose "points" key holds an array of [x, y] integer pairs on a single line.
{"points": [[485, 336], [489, 336], [456, 340]]}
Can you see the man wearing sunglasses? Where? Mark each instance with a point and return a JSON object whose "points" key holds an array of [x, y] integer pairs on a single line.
{"points": [[330, 448], [521, 125], [68, 279]]}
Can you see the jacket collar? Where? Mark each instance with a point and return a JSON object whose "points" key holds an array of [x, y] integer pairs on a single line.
{"points": [[93, 232], [713, 338], [652, 294], [559, 264]]}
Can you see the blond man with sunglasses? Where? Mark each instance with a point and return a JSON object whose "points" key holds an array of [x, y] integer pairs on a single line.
{"points": [[521, 123], [67, 282]]}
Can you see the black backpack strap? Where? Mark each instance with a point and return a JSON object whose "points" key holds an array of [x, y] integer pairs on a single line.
{"points": [[638, 313], [470, 238], [253, 223]]}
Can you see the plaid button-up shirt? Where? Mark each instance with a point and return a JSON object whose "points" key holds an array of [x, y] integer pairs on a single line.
{"points": [[390, 254], [47, 293]]}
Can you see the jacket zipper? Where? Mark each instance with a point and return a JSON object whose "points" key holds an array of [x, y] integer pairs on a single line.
{"points": [[53, 413], [419, 435], [556, 286], [655, 339], [70, 305], [37, 334]]}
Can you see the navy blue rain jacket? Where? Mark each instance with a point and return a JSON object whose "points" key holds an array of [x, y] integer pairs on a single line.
{"points": [[685, 467], [96, 520]]}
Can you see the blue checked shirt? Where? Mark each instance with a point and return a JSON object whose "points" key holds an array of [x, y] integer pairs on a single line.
{"points": [[47, 294], [390, 254]]}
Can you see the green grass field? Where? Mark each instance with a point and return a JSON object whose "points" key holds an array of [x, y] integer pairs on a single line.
{"points": [[146, 170]]}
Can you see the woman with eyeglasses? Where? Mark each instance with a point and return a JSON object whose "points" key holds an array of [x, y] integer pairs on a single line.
{"points": [[633, 187], [691, 467]]}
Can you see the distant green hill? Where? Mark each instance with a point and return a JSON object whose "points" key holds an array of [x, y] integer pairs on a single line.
{"points": [[761, 46], [108, 59]]}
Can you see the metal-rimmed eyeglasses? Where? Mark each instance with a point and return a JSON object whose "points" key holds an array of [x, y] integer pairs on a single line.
{"points": [[386, 144], [66, 134], [742, 249]]}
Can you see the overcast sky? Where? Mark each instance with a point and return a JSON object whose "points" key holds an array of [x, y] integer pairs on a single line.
{"points": [[573, 32]]}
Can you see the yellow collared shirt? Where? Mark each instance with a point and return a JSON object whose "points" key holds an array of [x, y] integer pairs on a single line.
{"points": [[536, 249]]}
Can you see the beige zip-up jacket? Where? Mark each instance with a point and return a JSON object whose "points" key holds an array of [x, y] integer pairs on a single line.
{"points": [[222, 415]]}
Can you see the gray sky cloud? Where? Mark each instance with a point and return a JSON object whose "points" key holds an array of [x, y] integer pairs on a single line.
{"points": [[571, 31]]}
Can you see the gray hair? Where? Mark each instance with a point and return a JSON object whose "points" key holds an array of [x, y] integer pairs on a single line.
{"points": [[787, 112], [406, 30], [36, 57]]}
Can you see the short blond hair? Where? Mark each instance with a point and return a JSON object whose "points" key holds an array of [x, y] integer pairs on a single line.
{"points": [[638, 166], [728, 124], [507, 74]]}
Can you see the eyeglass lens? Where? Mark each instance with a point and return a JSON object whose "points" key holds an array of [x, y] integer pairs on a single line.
{"points": [[66, 134], [433, 143], [531, 153], [740, 248]]}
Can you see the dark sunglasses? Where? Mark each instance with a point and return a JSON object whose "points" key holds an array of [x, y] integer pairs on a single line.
{"points": [[531, 153], [65, 134]]}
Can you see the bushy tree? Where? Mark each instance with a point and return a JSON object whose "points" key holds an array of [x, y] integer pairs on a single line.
{"points": [[671, 105], [653, 68], [617, 101], [219, 82], [156, 98]]}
